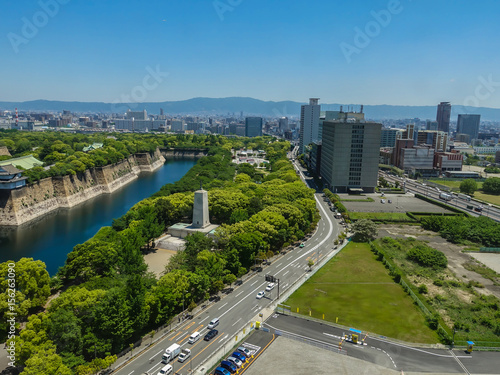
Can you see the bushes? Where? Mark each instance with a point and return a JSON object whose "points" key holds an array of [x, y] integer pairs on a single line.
{"points": [[427, 257]]}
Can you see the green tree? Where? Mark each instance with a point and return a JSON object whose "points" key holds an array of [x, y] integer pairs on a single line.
{"points": [[492, 186], [45, 362], [364, 230], [468, 186]]}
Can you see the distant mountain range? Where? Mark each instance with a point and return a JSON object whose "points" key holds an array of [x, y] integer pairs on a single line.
{"points": [[249, 106]]}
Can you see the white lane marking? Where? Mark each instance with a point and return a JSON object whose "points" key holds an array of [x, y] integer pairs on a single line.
{"points": [[279, 264], [203, 319], [285, 273], [239, 294], [222, 306], [236, 322], [256, 281], [240, 301], [155, 355]]}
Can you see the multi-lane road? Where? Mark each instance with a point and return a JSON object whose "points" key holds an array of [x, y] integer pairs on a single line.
{"points": [[413, 186], [239, 307]]}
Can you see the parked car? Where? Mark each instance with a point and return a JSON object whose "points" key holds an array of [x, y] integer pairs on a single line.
{"points": [[221, 371], [244, 351], [302, 244], [235, 361], [229, 366], [240, 356], [260, 294], [210, 335]]}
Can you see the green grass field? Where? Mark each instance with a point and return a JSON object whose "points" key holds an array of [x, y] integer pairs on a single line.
{"points": [[357, 289], [381, 216]]}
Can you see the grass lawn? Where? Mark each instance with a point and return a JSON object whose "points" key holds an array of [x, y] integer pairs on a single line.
{"points": [[455, 186], [381, 216], [357, 289], [495, 199]]}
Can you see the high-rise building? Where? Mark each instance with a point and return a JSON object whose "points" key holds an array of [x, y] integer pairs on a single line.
{"points": [[388, 137], [431, 125], [443, 116], [309, 123], [137, 115], [253, 126], [469, 124], [350, 154], [283, 124]]}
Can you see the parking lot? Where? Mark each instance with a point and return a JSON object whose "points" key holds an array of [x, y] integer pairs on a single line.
{"points": [[399, 203]]}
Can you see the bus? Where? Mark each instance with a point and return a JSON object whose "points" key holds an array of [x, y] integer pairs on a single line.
{"points": [[465, 197]]}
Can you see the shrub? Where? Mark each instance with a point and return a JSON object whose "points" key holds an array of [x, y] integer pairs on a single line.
{"points": [[422, 289], [427, 257]]}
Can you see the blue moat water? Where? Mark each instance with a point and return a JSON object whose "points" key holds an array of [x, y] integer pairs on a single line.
{"points": [[53, 236]]}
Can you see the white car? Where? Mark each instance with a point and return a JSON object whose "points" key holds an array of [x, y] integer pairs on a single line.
{"points": [[269, 287], [236, 361], [186, 353], [260, 295]]}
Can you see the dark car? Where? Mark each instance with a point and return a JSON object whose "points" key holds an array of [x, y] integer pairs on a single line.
{"points": [[228, 366], [238, 282], [210, 335], [240, 356]]}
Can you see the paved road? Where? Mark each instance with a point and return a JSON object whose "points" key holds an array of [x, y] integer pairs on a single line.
{"points": [[241, 306], [385, 353], [416, 187]]}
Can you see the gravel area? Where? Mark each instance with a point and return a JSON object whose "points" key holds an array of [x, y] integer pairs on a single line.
{"points": [[285, 356], [157, 260], [400, 203]]}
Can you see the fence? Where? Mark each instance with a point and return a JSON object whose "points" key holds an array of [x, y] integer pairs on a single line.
{"points": [[489, 250]]}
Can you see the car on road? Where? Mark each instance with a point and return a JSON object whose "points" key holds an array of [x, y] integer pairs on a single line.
{"points": [[240, 356], [229, 366], [166, 370], [185, 354], [213, 323], [194, 337], [210, 335], [269, 287], [244, 351], [260, 294], [238, 282], [221, 371], [235, 361], [302, 244]]}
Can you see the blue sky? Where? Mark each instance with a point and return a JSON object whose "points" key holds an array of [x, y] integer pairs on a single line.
{"points": [[104, 50]]}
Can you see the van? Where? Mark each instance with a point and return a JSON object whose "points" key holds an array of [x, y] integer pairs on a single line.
{"points": [[213, 323], [194, 337], [166, 370]]}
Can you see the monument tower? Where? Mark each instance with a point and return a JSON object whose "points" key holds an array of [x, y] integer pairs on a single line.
{"points": [[201, 218]]}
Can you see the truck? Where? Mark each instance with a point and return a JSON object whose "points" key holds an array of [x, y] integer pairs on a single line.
{"points": [[170, 353], [445, 196], [185, 354]]}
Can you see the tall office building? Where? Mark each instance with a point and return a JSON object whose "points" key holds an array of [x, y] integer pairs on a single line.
{"points": [[388, 137], [139, 115], [253, 126], [350, 154], [431, 125], [469, 124], [309, 123], [283, 124], [443, 116]]}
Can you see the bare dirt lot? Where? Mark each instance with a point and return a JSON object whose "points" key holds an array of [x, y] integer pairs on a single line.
{"points": [[456, 258], [400, 203]]}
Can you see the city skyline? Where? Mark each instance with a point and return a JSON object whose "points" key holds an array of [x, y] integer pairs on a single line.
{"points": [[378, 52]]}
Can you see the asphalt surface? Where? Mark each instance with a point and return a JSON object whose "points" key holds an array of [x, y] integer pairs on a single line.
{"points": [[377, 354], [412, 186], [240, 307]]}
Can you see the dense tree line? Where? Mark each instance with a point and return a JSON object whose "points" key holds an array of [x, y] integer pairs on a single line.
{"points": [[459, 229], [107, 298], [63, 152]]}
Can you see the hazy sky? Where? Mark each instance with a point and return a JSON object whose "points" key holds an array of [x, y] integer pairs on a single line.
{"points": [[408, 52]]}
